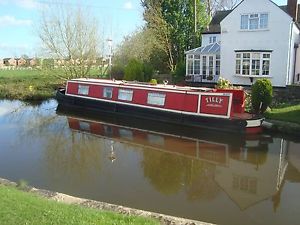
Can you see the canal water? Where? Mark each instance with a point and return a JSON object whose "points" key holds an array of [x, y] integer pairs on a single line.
{"points": [[213, 177]]}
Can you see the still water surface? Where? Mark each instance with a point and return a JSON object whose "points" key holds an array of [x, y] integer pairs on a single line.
{"points": [[218, 179]]}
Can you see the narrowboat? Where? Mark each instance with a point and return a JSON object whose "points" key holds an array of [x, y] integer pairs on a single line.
{"points": [[197, 107]]}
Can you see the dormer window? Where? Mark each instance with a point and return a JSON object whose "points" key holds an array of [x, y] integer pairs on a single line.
{"points": [[254, 21], [212, 39]]}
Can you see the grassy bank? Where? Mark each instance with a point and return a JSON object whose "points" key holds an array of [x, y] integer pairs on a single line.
{"points": [[285, 112], [18, 207], [30, 84]]}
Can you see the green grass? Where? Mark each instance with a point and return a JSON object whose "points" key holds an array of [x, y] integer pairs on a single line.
{"points": [[18, 207], [31, 84], [287, 113]]}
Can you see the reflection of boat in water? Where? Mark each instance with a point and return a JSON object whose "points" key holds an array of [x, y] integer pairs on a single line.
{"points": [[205, 145], [242, 169], [216, 109]]}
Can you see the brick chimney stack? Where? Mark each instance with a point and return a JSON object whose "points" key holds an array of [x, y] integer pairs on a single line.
{"points": [[292, 8]]}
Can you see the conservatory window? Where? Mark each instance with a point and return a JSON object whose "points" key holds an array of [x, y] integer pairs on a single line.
{"points": [[125, 95], [156, 99], [190, 64], [83, 89], [211, 65], [197, 64], [203, 65], [218, 65]]}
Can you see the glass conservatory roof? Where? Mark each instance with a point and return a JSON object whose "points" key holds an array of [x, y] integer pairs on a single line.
{"points": [[208, 49]]}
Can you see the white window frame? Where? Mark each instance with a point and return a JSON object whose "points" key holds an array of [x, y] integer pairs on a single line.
{"points": [[125, 95], [240, 58], [212, 39], [83, 89], [262, 21], [107, 92], [156, 98]]}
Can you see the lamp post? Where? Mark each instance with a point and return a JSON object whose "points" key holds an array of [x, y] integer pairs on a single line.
{"points": [[109, 42]]}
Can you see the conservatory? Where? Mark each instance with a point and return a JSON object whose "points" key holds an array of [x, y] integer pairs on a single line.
{"points": [[203, 64]]}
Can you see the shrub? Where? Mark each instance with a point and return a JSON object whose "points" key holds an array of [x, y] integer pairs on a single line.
{"points": [[134, 70], [223, 83], [117, 72], [179, 73], [261, 96], [153, 81], [148, 71]]}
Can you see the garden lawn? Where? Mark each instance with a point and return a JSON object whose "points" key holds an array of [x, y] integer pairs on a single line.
{"points": [[287, 113], [31, 84], [18, 207]]}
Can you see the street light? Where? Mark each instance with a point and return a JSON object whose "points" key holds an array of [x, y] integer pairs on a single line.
{"points": [[109, 42]]}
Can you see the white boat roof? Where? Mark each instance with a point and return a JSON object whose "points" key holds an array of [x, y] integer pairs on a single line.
{"points": [[143, 84]]}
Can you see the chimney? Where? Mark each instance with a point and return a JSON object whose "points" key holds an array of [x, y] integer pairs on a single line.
{"points": [[292, 9]]}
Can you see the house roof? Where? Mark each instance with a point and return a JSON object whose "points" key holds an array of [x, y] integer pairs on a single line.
{"points": [[208, 49], [214, 26]]}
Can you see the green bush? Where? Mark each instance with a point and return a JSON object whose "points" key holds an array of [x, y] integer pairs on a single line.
{"points": [[148, 71], [117, 72], [153, 81], [261, 95], [179, 73], [224, 83], [134, 70]]}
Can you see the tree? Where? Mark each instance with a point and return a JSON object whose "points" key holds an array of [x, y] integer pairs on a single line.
{"points": [[214, 5], [173, 24], [69, 34], [134, 70]]}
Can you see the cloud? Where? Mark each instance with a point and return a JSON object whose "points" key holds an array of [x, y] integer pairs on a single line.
{"points": [[128, 5], [25, 4], [12, 21], [28, 4]]}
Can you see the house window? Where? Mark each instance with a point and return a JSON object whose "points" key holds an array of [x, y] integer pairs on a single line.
{"points": [[211, 65], [254, 21], [203, 65], [218, 64], [83, 89], [156, 99], [252, 64], [190, 64], [125, 95], [246, 64], [255, 64], [212, 39], [196, 64], [107, 92], [238, 64], [266, 64]]}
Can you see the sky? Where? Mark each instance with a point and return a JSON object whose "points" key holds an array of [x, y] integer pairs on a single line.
{"points": [[19, 18]]}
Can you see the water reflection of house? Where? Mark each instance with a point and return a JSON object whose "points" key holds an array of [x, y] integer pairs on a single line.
{"points": [[294, 155], [251, 178]]}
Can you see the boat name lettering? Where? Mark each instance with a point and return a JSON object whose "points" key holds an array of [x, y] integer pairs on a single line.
{"points": [[213, 99]]}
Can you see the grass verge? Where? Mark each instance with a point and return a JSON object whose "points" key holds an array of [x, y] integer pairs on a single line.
{"points": [[286, 113], [31, 84], [18, 207]]}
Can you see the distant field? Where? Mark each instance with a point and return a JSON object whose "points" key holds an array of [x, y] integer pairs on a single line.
{"points": [[31, 84]]}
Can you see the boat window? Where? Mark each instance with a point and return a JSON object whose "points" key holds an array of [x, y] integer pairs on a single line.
{"points": [[107, 92], [156, 99], [125, 95], [83, 89]]}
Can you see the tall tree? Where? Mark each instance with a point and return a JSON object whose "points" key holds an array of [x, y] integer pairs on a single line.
{"points": [[173, 23], [69, 35], [214, 5]]}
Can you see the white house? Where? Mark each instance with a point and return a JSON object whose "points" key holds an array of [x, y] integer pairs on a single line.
{"points": [[257, 39]]}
